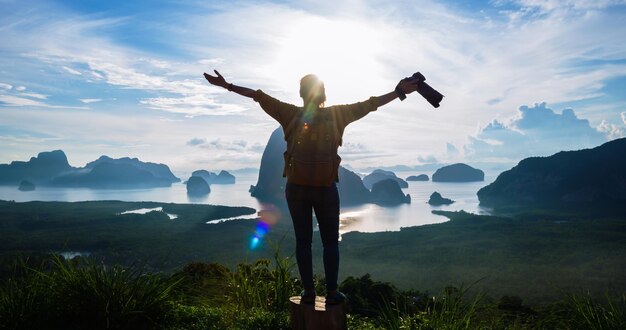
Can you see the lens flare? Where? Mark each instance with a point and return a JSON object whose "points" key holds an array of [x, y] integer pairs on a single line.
{"points": [[254, 243], [261, 229], [267, 217]]}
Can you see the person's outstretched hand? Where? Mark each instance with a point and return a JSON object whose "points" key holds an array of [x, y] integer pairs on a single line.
{"points": [[216, 80], [408, 86]]}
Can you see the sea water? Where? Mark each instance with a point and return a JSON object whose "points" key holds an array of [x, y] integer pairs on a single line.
{"points": [[364, 218]]}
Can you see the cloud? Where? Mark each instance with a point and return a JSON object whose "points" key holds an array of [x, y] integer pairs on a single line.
{"points": [[16, 101], [536, 131], [192, 105], [53, 38], [90, 100], [222, 145], [35, 95], [612, 131], [486, 63], [221, 153], [428, 159], [350, 151], [196, 142], [582, 5], [623, 115], [451, 150], [17, 134], [219, 144], [5, 86], [72, 71], [20, 88]]}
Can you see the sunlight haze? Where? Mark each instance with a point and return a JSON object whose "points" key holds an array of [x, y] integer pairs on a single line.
{"points": [[124, 79]]}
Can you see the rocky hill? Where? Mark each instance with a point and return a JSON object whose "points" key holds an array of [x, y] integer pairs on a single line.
{"points": [[379, 175], [52, 169], [211, 178], [458, 173], [591, 177], [197, 186], [38, 170], [388, 192], [160, 171], [421, 177], [107, 175]]}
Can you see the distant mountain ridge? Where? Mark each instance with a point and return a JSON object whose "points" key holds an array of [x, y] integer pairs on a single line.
{"points": [[38, 170], [592, 177], [160, 171], [458, 173], [211, 178], [52, 169], [111, 176], [380, 175]]}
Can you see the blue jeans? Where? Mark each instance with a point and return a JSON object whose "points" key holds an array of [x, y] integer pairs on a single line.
{"points": [[302, 201]]}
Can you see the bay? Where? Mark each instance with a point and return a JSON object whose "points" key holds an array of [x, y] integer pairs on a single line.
{"points": [[363, 218]]}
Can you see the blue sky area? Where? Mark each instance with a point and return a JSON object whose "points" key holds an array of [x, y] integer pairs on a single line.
{"points": [[124, 78]]}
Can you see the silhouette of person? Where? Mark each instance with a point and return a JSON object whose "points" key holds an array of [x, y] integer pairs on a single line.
{"points": [[313, 133]]}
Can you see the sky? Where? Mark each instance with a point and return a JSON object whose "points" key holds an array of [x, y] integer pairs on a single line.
{"points": [[124, 78]]}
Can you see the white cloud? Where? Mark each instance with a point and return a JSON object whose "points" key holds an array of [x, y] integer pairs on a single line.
{"points": [[427, 159], [16, 101], [69, 41], [623, 115], [536, 131], [5, 86], [90, 100], [486, 66], [550, 5], [612, 131], [211, 62], [219, 144], [72, 71], [194, 105], [35, 95], [97, 75], [20, 88], [360, 152]]}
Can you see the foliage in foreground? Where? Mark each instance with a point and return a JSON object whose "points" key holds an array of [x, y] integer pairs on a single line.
{"points": [[81, 293]]}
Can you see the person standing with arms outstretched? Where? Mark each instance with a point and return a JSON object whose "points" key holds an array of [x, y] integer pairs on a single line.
{"points": [[314, 133]]}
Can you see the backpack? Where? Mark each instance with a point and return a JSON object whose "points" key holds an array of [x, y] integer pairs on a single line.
{"points": [[311, 158]]}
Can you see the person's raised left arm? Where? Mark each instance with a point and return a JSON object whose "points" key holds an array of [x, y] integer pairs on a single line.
{"points": [[218, 80], [407, 86], [345, 114]]}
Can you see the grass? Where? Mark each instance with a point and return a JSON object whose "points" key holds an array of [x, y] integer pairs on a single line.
{"points": [[82, 293], [534, 256], [189, 277], [595, 315]]}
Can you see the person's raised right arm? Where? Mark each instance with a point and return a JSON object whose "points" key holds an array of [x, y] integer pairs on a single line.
{"points": [[282, 112], [219, 80]]}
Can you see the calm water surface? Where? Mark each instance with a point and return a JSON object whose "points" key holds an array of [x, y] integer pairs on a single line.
{"points": [[365, 218]]}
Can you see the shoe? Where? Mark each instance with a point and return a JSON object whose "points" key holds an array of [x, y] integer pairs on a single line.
{"points": [[335, 298], [307, 297]]}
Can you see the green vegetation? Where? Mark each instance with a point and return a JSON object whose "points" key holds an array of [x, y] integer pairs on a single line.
{"points": [[83, 294], [537, 269], [99, 229], [534, 256]]}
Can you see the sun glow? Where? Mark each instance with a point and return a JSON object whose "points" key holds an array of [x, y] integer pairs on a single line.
{"points": [[344, 54]]}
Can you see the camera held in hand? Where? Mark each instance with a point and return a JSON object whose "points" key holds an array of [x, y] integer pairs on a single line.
{"points": [[430, 94]]}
